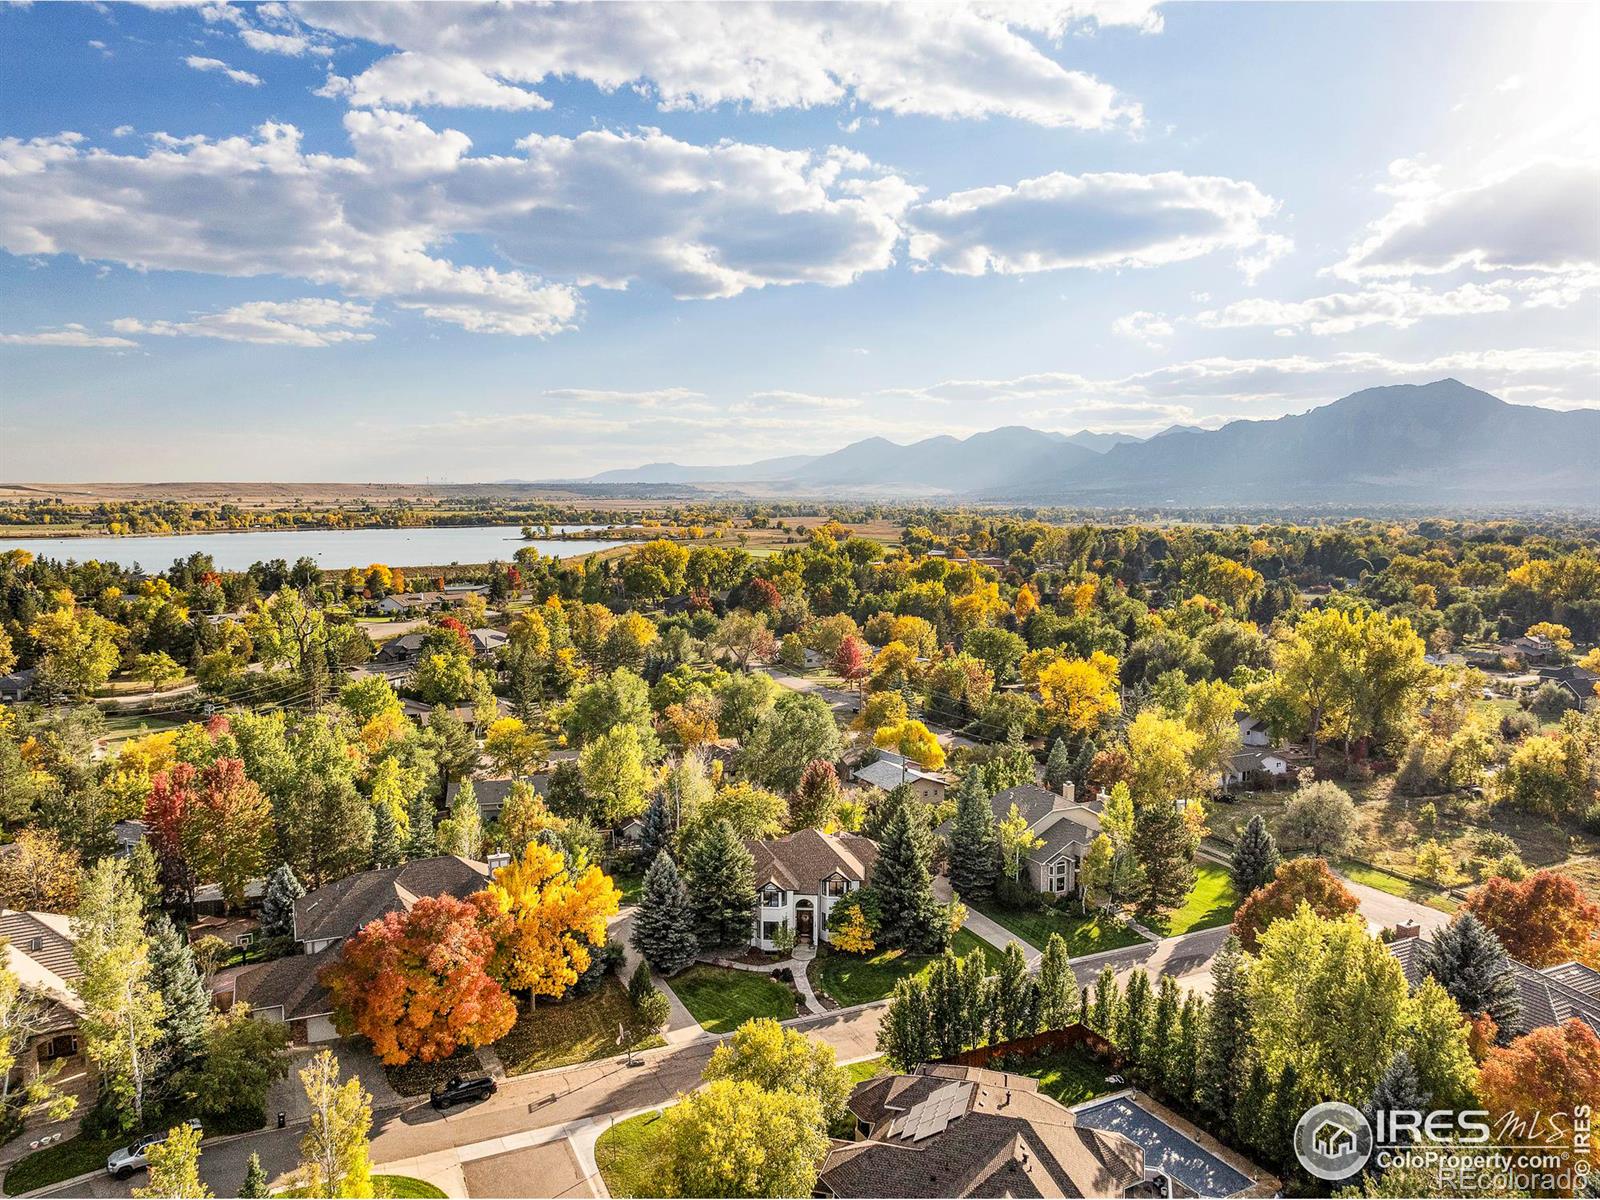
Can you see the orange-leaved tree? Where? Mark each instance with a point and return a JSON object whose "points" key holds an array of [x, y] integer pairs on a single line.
{"points": [[1543, 920], [555, 918], [1543, 1077], [417, 984], [1299, 880]]}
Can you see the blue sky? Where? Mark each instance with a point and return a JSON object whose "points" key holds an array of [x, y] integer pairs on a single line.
{"points": [[318, 242]]}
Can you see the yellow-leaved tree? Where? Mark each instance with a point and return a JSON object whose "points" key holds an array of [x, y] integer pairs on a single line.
{"points": [[557, 918], [914, 741], [1080, 693]]}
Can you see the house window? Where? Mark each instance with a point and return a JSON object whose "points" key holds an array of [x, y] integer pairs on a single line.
{"points": [[36, 944], [837, 886], [769, 929], [771, 897], [1058, 875]]}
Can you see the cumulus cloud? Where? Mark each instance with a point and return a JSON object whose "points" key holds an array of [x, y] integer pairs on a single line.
{"points": [[1142, 326], [71, 336], [941, 60], [602, 208], [1539, 217], [1094, 221], [199, 63], [292, 44], [310, 322]]}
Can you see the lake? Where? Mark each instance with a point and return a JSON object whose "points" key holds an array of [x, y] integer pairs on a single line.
{"points": [[333, 549]]}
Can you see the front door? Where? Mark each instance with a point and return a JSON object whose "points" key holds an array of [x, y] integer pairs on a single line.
{"points": [[803, 926]]}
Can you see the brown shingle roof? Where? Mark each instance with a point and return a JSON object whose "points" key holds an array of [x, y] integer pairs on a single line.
{"points": [[339, 909], [801, 861], [43, 937], [288, 983]]}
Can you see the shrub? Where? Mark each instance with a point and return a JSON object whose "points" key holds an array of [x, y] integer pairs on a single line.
{"points": [[1018, 896], [1591, 818], [1494, 844], [1515, 726]]}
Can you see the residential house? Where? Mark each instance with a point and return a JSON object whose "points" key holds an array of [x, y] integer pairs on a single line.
{"points": [[1253, 766], [237, 932], [1579, 682], [956, 1131], [1550, 996], [486, 641], [403, 649], [127, 834], [16, 686], [1533, 650], [39, 952], [889, 770], [409, 604], [799, 878], [491, 793], [1064, 828], [1253, 731], [288, 989]]}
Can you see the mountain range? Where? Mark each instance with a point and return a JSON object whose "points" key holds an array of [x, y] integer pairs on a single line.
{"points": [[1411, 444]]}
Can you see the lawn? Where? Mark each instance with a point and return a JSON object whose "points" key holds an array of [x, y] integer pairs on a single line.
{"points": [[850, 979], [1070, 1076], [65, 1160], [1396, 886], [626, 1155], [404, 1187], [867, 1068], [722, 999], [1210, 903], [1084, 934], [630, 884], [573, 1031]]}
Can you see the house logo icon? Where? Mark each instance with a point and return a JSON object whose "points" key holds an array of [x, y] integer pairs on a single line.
{"points": [[1333, 1141]]}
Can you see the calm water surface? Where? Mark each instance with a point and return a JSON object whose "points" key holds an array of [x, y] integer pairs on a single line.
{"points": [[333, 549]]}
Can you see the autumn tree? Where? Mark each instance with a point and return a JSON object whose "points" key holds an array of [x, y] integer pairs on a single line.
{"points": [[334, 1157], [778, 1059], [174, 1164], [817, 798], [914, 742], [416, 983], [1080, 694], [1543, 1077], [556, 919], [227, 830], [1543, 920], [39, 873], [76, 649], [735, 1138], [1299, 881], [613, 768]]}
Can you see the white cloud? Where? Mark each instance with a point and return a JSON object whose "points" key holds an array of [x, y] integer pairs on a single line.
{"points": [[310, 322], [292, 44], [1539, 217], [199, 63], [1094, 221], [1397, 305], [69, 336], [1148, 327], [941, 60]]}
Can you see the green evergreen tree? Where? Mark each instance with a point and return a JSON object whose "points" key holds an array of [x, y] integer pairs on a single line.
{"points": [[1137, 1012], [386, 848], [1105, 1012], [1249, 1107], [1013, 998], [1058, 986], [882, 814], [911, 919], [656, 835], [1255, 858], [1165, 846], [421, 841], [974, 851], [183, 994], [1288, 1105], [1161, 1057], [254, 1186], [1191, 1036], [663, 926], [1399, 1088], [1081, 764], [1221, 1075], [1058, 767], [722, 887], [905, 1035], [277, 903], [1470, 963]]}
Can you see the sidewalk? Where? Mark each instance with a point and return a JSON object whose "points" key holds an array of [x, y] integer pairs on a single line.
{"points": [[681, 1025]]}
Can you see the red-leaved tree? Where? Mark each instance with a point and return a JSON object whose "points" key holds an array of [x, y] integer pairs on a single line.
{"points": [[227, 830], [1543, 920], [1543, 1077], [1306, 879], [762, 595], [417, 985], [851, 659], [166, 809]]}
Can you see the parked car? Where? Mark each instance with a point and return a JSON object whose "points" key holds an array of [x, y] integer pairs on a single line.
{"points": [[133, 1157], [462, 1091]]}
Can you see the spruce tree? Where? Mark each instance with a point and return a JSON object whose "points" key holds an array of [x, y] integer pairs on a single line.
{"points": [[1164, 844], [1058, 767], [254, 1186], [974, 851], [1058, 986], [420, 839], [911, 919], [656, 835], [663, 927], [722, 887], [1255, 858], [1013, 998], [385, 837], [1081, 765], [1399, 1087], [1134, 1018], [1105, 1011], [1470, 963], [1191, 1035], [183, 995], [277, 905], [1227, 1033]]}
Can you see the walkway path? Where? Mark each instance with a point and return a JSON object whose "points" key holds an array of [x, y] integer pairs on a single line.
{"points": [[681, 1025]]}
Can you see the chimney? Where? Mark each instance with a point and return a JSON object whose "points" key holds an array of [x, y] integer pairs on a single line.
{"points": [[1407, 929], [1066, 791]]}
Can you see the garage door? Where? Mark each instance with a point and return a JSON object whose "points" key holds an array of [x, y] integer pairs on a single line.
{"points": [[320, 1029]]}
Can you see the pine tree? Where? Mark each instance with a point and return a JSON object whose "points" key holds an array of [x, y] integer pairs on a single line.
{"points": [[905, 1035], [1399, 1088], [1058, 986], [1013, 998], [188, 1006], [911, 918], [1135, 1016], [277, 905], [1165, 844], [973, 849], [1081, 765], [663, 927], [421, 841], [254, 1186], [1058, 767], [722, 887], [1288, 1105], [1162, 1055], [1255, 858], [385, 838], [1470, 963], [1105, 1011], [1227, 1032], [656, 835]]}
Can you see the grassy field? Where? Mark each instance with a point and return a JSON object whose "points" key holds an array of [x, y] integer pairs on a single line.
{"points": [[851, 979], [1211, 902], [1070, 1076], [867, 1068], [626, 1155], [1083, 934], [722, 999], [573, 1031], [404, 1187], [122, 726]]}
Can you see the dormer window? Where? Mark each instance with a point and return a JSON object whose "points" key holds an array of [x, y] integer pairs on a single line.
{"points": [[836, 885], [771, 896], [35, 944]]}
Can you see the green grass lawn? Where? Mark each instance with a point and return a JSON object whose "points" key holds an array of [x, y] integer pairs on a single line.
{"points": [[1211, 902], [867, 1068], [573, 1031], [626, 1155], [1396, 886], [851, 979], [722, 999], [65, 1160], [1084, 934], [630, 884], [404, 1187], [1070, 1076]]}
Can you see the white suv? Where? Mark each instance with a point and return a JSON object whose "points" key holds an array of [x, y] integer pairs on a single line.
{"points": [[132, 1157]]}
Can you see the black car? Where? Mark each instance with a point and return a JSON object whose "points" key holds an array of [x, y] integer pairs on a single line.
{"points": [[462, 1091]]}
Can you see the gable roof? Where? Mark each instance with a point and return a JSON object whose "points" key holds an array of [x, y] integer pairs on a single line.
{"points": [[1075, 826], [889, 770], [801, 861], [339, 909], [291, 984], [1032, 801], [48, 971], [1550, 997]]}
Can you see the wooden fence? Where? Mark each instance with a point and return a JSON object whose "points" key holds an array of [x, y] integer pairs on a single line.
{"points": [[1073, 1037]]}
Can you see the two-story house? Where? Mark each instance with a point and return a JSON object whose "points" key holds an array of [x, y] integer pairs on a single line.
{"points": [[801, 877], [1064, 828]]}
